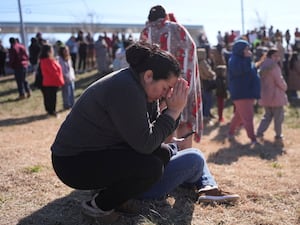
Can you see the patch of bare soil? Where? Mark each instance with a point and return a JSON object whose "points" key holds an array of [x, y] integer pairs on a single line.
{"points": [[267, 177]]}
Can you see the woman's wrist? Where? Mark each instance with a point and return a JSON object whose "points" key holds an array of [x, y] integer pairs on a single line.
{"points": [[173, 113]]}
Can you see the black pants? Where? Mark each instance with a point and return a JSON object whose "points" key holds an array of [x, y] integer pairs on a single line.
{"points": [[124, 174], [82, 61], [2, 68], [73, 58], [49, 95]]}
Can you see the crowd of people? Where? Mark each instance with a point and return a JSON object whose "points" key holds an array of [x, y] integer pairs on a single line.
{"points": [[165, 77], [55, 65], [139, 145], [255, 53], [51, 72]]}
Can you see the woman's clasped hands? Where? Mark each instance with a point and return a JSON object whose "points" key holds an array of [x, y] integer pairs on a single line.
{"points": [[177, 98]]}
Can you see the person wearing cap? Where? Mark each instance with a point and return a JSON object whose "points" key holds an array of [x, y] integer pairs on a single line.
{"points": [[174, 38]]}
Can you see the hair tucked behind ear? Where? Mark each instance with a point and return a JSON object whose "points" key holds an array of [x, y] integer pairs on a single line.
{"points": [[143, 56]]}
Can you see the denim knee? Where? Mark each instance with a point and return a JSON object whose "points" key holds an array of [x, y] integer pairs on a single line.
{"points": [[196, 161], [195, 156]]}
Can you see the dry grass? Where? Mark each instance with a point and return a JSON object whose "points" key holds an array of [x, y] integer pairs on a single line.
{"points": [[266, 177]]}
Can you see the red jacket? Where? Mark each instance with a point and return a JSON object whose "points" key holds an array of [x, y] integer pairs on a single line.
{"points": [[18, 57], [51, 72]]}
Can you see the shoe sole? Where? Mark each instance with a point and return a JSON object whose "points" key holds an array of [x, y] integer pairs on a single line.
{"points": [[218, 199], [109, 219]]}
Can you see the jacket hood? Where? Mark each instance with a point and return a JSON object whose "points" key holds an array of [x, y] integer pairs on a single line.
{"points": [[239, 46]]}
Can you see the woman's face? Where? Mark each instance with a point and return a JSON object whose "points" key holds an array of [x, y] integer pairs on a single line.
{"points": [[247, 52], [157, 89], [66, 52]]}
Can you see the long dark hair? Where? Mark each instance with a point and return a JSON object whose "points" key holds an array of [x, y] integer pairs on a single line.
{"points": [[45, 51], [61, 52], [143, 56]]}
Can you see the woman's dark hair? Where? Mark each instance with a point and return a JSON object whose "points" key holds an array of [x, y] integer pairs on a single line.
{"points": [[33, 40], [61, 52], [271, 52], [45, 51], [156, 12], [12, 40], [143, 56]]}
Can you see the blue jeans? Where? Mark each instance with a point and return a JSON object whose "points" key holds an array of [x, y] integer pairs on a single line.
{"points": [[68, 94], [207, 98], [20, 77], [187, 167]]}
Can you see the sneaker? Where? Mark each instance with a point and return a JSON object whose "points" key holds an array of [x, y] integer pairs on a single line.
{"points": [[221, 120], [21, 97], [217, 195], [52, 114], [90, 209], [260, 139], [207, 188], [279, 142], [278, 138]]}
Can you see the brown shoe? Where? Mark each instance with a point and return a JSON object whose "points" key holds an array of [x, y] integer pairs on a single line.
{"points": [[21, 97], [279, 142], [217, 195]]}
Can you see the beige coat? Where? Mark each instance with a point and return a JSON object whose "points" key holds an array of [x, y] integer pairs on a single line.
{"points": [[206, 72], [273, 85]]}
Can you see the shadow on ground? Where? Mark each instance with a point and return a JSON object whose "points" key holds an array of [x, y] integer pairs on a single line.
{"points": [[266, 150], [226, 156], [67, 211], [22, 120]]}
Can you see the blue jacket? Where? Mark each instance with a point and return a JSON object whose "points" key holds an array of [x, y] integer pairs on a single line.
{"points": [[243, 79]]}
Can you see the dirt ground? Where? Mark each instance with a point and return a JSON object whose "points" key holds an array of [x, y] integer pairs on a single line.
{"points": [[267, 177]]}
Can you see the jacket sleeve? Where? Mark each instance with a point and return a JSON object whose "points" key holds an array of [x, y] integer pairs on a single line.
{"points": [[12, 57], [279, 80], [132, 120]]}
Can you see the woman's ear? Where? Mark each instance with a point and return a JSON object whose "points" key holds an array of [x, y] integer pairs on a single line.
{"points": [[148, 76]]}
